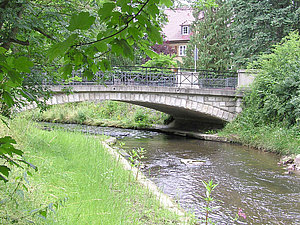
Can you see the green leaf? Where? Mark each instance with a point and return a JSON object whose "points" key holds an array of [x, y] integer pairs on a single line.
{"points": [[127, 49], [15, 77], [26, 188], [88, 74], [2, 50], [116, 18], [7, 139], [78, 58], [153, 10], [124, 5], [8, 99], [116, 47], [101, 46], [94, 68], [17, 151], [59, 49], [154, 34], [105, 65], [106, 10], [130, 41], [23, 64], [43, 213], [66, 70], [151, 53], [4, 170], [136, 33], [167, 3], [82, 21]]}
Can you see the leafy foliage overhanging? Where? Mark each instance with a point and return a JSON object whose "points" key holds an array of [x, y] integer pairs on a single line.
{"points": [[40, 37]]}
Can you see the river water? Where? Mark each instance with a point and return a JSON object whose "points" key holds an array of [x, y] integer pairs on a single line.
{"points": [[247, 179]]}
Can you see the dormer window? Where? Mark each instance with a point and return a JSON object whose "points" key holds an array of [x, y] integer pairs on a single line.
{"points": [[185, 30]]}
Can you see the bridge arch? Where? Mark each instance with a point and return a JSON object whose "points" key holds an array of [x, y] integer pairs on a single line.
{"points": [[187, 106]]}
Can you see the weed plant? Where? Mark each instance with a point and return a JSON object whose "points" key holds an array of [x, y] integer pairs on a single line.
{"points": [[76, 169]]}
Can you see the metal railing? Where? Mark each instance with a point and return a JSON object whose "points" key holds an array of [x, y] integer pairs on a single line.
{"points": [[153, 76]]}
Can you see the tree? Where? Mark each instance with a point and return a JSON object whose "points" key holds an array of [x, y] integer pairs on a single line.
{"points": [[27, 29], [80, 33], [41, 36], [258, 25], [275, 93], [161, 61], [46, 35], [211, 35]]}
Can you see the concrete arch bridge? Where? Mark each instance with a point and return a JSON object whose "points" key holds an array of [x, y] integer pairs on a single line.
{"points": [[197, 100]]}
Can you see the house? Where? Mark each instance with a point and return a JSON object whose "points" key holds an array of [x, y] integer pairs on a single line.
{"points": [[177, 31]]}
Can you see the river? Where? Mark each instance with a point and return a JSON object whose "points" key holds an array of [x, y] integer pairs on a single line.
{"points": [[247, 179]]}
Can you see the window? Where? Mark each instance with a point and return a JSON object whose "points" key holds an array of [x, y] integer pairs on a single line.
{"points": [[182, 50], [185, 30]]}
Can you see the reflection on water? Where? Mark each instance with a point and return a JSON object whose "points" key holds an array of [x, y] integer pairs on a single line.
{"points": [[247, 178]]}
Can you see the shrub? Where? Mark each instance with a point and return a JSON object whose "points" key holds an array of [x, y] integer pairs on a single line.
{"points": [[271, 116], [161, 60], [81, 117], [140, 116], [275, 93]]}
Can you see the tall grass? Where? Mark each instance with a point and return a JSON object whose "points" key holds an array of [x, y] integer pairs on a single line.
{"points": [[272, 137], [76, 167], [106, 113]]}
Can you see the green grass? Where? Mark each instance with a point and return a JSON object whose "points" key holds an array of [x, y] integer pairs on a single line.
{"points": [[76, 167], [106, 113], [272, 138]]}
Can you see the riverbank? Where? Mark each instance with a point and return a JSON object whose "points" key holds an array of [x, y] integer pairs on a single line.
{"points": [[272, 138], [76, 173], [105, 113], [276, 139]]}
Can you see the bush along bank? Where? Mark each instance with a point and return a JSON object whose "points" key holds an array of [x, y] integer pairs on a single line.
{"points": [[106, 113], [270, 119], [78, 182]]}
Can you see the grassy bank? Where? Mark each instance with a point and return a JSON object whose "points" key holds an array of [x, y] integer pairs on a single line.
{"points": [[272, 138], [78, 176], [106, 113]]}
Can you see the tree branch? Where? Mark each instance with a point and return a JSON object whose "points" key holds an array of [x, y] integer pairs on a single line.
{"points": [[102, 54], [44, 33], [118, 32], [25, 43]]}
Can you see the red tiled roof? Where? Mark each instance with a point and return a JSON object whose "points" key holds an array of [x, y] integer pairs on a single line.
{"points": [[177, 18]]}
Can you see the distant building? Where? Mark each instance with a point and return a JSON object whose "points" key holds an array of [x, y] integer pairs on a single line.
{"points": [[177, 31]]}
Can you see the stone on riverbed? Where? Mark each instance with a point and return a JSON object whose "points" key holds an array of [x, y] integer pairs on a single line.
{"points": [[297, 161], [190, 162], [286, 160], [292, 163]]}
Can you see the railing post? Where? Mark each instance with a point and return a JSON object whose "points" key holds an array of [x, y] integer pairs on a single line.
{"points": [[147, 79]]}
